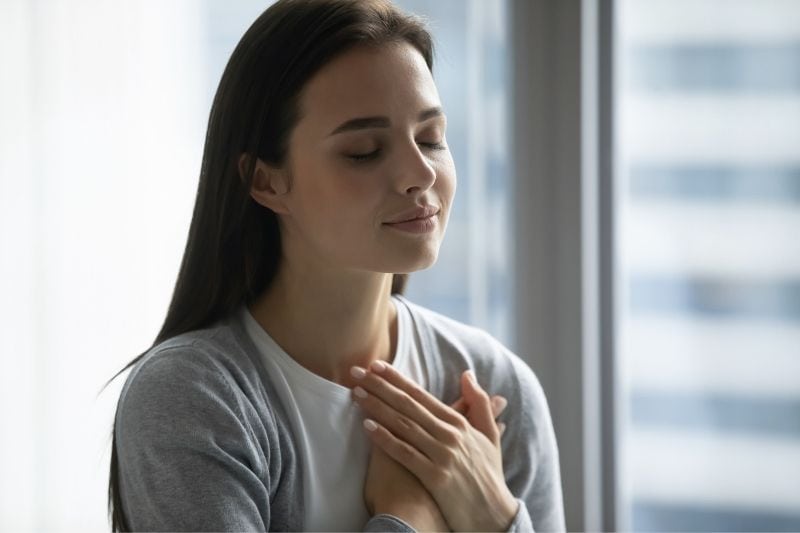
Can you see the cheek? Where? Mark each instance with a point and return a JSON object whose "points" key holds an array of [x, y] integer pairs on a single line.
{"points": [[447, 180], [353, 196], [337, 201]]}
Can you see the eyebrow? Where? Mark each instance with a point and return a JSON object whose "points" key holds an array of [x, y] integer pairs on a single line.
{"points": [[382, 122]]}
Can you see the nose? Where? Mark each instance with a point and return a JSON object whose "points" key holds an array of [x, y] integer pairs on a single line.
{"points": [[415, 173]]}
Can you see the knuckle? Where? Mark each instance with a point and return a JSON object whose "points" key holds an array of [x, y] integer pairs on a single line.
{"points": [[452, 437], [405, 422], [439, 478], [461, 424], [416, 392], [449, 458], [406, 402], [483, 395]]}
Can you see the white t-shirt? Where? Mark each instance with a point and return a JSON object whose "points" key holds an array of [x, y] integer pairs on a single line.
{"points": [[333, 447]]}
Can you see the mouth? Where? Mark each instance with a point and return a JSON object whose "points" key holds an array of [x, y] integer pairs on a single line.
{"points": [[418, 225], [415, 213]]}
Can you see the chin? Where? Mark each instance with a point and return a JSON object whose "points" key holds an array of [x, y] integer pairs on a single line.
{"points": [[421, 262]]}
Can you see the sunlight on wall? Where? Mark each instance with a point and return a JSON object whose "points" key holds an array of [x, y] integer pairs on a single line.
{"points": [[100, 146]]}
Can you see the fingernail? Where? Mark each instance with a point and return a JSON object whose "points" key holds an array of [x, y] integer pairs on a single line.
{"points": [[361, 393], [357, 372], [499, 402], [378, 366], [471, 376], [370, 425]]}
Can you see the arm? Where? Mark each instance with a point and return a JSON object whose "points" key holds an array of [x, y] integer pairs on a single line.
{"points": [[408, 517], [388, 522], [396, 499], [530, 453], [187, 461]]}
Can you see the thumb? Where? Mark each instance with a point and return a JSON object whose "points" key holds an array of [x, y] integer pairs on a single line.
{"points": [[479, 407]]}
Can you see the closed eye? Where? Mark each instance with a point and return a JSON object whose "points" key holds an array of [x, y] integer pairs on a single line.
{"points": [[368, 156], [365, 157], [433, 146]]}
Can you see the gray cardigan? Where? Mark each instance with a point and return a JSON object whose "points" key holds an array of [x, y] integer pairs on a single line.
{"points": [[204, 444]]}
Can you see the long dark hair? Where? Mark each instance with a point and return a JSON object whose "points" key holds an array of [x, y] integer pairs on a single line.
{"points": [[233, 248]]}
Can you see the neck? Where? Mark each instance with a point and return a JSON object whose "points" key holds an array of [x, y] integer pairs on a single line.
{"points": [[328, 322]]}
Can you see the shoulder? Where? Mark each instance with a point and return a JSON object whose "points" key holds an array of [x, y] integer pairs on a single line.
{"points": [[449, 334], [208, 356], [202, 378], [460, 347], [196, 441], [530, 450]]}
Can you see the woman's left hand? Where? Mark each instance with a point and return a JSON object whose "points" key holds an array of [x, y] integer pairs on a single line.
{"points": [[460, 465]]}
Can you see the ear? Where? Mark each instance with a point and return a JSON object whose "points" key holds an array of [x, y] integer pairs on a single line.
{"points": [[270, 184]]}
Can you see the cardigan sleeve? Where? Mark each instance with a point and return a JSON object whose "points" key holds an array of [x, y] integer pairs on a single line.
{"points": [[530, 453], [186, 459], [387, 522]]}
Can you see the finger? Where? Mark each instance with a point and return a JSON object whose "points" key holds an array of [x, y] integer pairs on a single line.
{"points": [[459, 405], [426, 399], [480, 408], [501, 427], [405, 404], [400, 451], [499, 403], [400, 425]]}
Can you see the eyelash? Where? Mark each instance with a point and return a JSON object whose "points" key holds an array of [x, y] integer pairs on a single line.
{"points": [[360, 158]]}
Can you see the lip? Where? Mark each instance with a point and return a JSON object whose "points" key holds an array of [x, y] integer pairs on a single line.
{"points": [[416, 213], [417, 225], [419, 220]]}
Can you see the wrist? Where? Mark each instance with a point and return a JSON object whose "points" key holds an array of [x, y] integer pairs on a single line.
{"points": [[508, 511], [422, 516]]}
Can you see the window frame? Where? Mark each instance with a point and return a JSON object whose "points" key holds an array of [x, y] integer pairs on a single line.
{"points": [[564, 198]]}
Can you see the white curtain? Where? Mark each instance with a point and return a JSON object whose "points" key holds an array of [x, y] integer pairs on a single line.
{"points": [[101, 132]]}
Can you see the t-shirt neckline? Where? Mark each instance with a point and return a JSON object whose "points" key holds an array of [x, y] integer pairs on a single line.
{"points": [[310, 381]]}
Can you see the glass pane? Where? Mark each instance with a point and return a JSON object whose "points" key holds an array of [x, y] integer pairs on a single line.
{"points": [[708, 144]]}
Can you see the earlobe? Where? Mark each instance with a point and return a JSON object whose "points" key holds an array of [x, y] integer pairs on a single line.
{"points": [[269, 185]]}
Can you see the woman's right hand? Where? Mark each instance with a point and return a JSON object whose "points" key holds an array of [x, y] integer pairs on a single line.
{"points": [[458, 460], [390, 488]]}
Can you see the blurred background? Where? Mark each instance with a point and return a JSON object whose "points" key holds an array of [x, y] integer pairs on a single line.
{"points": [[684, 290]]}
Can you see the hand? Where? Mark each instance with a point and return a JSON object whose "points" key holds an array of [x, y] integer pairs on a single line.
{"points": [[470, 411], [391, 489], [458, 460]]}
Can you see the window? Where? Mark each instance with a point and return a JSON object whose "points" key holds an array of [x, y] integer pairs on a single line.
{"points": [[708, 118]]}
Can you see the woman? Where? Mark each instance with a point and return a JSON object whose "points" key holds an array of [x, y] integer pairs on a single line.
{"points": [[291, 386]]}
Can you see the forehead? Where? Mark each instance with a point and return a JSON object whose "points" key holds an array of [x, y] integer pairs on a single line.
{"points": [[391, 80]]}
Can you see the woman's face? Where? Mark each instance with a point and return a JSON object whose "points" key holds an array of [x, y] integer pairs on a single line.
{"points": [[369, 147]]}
